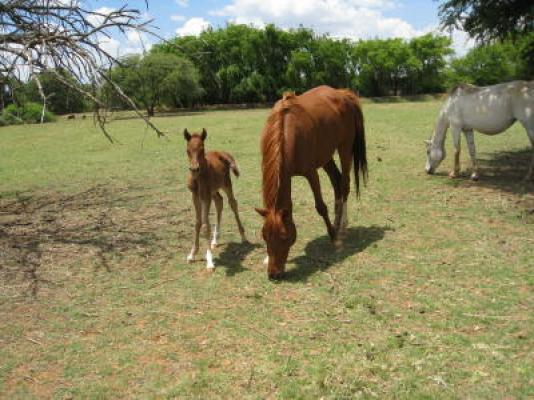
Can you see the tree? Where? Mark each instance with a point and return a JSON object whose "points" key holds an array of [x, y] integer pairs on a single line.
{"points": [[486, 65], [155, 79], [55, 35], [384, 66], [488, 20], [62, 99], [431, 52]]}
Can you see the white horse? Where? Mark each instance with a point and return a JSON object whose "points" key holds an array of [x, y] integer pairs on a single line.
{"points": [[489, 110]]}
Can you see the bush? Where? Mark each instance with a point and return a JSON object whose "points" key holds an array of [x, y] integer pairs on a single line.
{"points": [[27, 113]]}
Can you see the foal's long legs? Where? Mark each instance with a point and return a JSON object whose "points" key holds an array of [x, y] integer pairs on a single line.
{"points": [[470, 139], [218, 200], [206, 204], [335, 179], [320, 206], [198, 225], [233, 205]]}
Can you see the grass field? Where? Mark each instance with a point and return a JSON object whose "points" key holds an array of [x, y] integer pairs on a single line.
{"points": [[431, 296]]}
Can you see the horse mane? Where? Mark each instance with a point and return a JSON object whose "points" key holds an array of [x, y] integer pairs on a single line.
{"points": [[272, 143]]}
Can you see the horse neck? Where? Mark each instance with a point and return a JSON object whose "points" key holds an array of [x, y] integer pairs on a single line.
{"points": [[440, 133]]}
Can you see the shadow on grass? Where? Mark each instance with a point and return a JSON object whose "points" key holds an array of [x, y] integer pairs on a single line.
{"points": [[231, 258], [503, 170], [320, 253], [42, 236]]}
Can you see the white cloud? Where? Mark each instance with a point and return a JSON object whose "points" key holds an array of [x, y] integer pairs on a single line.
{"points": [[341, 18], [461, 43], [193, 26], [98, 19], [177, 18], [182, 3]]}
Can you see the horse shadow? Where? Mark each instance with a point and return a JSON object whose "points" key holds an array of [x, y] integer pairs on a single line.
{"points": [[502, 170], [320, 253], [233, 255]]}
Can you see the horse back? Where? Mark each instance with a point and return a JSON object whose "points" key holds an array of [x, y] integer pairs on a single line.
{"points": [[316, 124]]}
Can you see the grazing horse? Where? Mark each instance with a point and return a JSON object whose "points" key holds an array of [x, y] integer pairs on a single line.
{"points": [[300, 136], [209, 173], [489, 110]]}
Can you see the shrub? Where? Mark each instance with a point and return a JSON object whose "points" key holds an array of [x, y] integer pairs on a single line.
{"points": [[27, 113]]}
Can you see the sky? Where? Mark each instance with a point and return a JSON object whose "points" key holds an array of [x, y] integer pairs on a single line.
{"points": [[355, 19]]}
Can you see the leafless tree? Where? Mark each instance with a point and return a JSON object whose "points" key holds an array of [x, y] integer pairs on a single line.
{"points": [[54, 35]]}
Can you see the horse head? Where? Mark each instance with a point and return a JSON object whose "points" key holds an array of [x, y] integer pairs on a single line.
{"points": [[195, 150], [434, 156], [279, 233]]}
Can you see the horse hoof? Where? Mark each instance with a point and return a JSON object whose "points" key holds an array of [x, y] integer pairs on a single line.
{"points": [[190, 258], [453, 175], [210, 267], [338, 244], [475, 177]]}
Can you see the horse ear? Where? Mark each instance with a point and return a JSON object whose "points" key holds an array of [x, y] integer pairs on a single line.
{"points": [[262, 211], [187, 135], [204, 134]]}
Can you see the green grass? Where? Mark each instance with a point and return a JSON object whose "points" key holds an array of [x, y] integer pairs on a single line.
{"points": [[431, 296]]}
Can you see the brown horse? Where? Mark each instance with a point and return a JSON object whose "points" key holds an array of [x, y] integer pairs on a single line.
{"points": [[209, 173], [301, 135]]}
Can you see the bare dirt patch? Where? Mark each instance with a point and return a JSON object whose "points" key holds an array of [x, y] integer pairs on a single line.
{"points": [[45, 237]]}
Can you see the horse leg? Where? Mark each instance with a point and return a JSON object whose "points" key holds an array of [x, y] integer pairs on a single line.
{"points": [[320, 206], [456, 139], [233, 205], [335, 178], [470, 139], [206, 204], [345, 157], [198, 225], [529, 127], [218, 200]]}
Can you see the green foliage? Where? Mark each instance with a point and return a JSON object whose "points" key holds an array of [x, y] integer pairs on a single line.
{"points": [[487, 20], [156, 79], [485, 65], [62, 99], [27, 113], [241, 63]]}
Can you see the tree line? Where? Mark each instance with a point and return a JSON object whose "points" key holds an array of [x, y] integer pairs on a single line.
{"points": [[243, 64]]}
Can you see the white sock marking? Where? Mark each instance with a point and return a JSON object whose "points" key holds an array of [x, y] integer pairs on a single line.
{"points": [[209, 260]]}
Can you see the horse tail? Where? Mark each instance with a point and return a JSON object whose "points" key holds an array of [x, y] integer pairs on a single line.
{"points": [[359, 150], [229, 160]]}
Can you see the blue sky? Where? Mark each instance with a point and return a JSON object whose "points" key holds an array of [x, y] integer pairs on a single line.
{"points": [[340, 18]]}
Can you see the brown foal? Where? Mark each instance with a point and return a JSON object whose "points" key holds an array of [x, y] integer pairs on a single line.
{"points": [[209, 173]]}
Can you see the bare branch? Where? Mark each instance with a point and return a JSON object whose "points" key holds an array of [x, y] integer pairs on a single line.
{"points": [[50, 35]]}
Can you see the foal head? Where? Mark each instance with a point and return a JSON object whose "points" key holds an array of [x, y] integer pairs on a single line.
{"points": [[434, 157], [195, 150], [279, 233]]}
